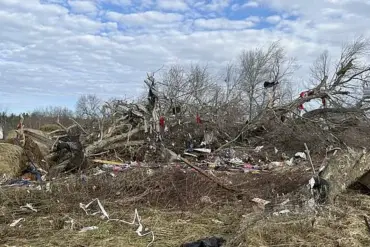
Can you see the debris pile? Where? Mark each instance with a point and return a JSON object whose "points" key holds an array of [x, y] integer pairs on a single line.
{"points": [[294, 164]]}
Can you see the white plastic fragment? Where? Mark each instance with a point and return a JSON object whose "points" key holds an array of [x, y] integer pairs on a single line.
{"points": [[70, 221], [15, 222], [89, 228], [258, 149], [29, 206], [202, 150], [311, 182], [290, 162], [285, 211], [48, 189], [301, 155], [102, 210], [285, 202], [260, 202]]}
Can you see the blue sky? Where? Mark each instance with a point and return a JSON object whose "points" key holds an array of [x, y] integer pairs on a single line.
{"points": [[52, 51]]}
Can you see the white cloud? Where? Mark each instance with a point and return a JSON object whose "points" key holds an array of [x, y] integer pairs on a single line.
{"points": [[50, 56], [213, 5], [222, 23], [250, 4], [81, 6], [273, 19], [116, 2], [179, 5], [148, 18]]}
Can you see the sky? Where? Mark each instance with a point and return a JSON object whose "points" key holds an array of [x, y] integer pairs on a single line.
{"points": [[52, 51]]}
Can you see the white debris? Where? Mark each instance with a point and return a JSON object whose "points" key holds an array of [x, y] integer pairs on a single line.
{"points": [[261, 203], [202, 150], [29, 206], [89, 228], [136, 221], [15, 222], [290, 162], [47, 186], [98, 172], [285, 202], [311, 182], [217, 221], [301, 155], [285, 211], [102, 211], [258, 149], [236, 161]]}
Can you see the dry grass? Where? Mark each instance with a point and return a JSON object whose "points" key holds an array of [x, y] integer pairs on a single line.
{"points": [[11, 159], [341, 224], [175, 210], [11, 134], [171, 203]]}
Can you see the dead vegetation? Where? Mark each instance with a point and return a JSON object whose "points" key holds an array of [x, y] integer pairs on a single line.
{"points": [[340, 224]]}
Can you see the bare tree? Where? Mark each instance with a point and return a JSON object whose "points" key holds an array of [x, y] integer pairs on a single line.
{"points": [[193, 89], [174, 86], [350, 74], [320, 67], [88, 106], [258, 66]]}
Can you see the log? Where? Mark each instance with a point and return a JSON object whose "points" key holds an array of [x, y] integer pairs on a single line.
{"points": [[99, 146], [343, 171], [317, 112], [124, 144]]}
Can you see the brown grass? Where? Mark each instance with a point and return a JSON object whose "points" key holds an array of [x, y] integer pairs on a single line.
{"points": [[341, 224], [171, 203]]}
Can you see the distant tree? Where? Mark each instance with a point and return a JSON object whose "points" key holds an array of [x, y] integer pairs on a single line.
{"points": [[89, 106]]}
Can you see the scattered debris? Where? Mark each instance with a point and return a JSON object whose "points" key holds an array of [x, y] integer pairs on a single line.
{"points": [[104, 215], [101, 210]]}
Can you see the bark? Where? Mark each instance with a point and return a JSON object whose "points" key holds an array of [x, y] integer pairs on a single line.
{"points": [[344, 171], [99, 146]]}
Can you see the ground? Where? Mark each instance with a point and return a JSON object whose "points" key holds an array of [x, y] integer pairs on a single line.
{"points": [[178, 205]]}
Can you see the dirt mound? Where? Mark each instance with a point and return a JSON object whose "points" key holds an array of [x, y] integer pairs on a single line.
{"points": [[12, 159]]}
